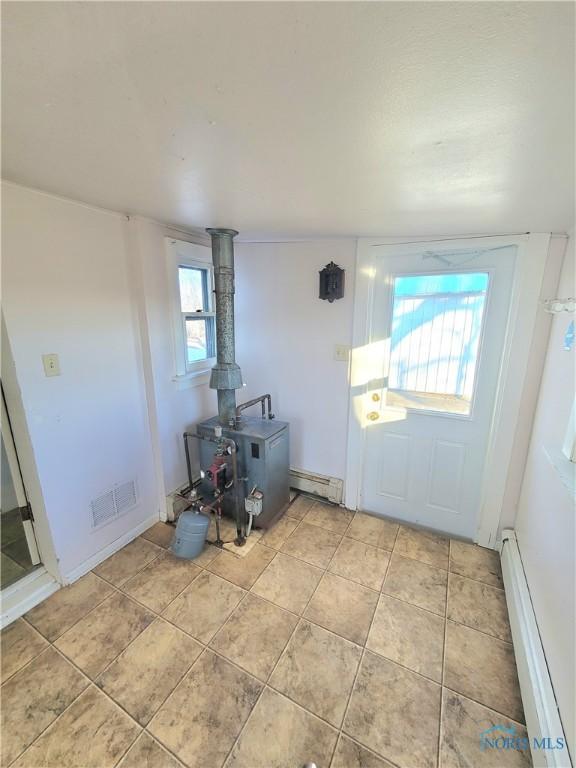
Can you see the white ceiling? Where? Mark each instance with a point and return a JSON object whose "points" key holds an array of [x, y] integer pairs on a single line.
{"points": [[297, 118]]}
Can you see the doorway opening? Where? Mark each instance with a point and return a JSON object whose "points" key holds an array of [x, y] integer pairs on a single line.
{"points": [[438, 371], [19, 551]]}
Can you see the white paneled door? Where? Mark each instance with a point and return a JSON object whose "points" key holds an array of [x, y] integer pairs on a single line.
{"points": [[439, 315]]}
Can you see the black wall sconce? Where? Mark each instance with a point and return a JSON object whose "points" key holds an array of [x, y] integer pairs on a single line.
{"points": [[331, 282]]}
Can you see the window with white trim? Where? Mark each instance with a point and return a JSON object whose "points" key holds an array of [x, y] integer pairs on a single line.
{"points": [[195, 287], [194, 320]]}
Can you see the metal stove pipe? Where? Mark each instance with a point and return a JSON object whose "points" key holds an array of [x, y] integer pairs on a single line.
{"points": [[226, 376]]}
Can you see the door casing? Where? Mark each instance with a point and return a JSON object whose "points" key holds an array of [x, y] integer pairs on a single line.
{"points": [[529, 276], [18, 481]]}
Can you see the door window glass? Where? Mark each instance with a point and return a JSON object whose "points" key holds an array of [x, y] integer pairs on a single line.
{"points": [[435, 340]]}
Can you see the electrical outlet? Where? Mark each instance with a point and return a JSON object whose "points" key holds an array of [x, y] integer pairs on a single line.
{"points": [[341, 353], [51, 365]]}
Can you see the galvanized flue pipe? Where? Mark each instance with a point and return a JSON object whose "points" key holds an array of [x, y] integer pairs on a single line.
{"points": [[226, 376]]}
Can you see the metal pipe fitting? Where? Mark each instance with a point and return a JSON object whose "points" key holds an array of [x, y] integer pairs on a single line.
{"points": [[264, 400], [239, 512]]}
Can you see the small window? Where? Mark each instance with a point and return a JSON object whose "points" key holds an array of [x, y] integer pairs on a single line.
{"points": [[197, 315], [191, 279], [435, 340]]}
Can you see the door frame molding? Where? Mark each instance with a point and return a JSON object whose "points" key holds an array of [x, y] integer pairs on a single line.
{"points": [[18, 482], [25, 452], [529, 278]]}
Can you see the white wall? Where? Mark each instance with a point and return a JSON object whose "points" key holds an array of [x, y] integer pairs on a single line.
{"points": [[178, 406], [531, 387], [285, 338], [545, 519], [92, 286], [67, 289]]}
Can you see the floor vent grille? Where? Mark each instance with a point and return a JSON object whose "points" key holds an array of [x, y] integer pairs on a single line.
{"points": [[113, 503]]}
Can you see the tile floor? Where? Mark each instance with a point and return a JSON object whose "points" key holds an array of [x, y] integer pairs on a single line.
{"points": [[15, 559], [342, 639]]}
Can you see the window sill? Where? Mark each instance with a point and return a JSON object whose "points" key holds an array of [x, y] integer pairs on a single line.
{"points": [[192, 379]]}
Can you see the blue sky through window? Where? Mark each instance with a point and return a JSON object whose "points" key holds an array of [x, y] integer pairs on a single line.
{"points": [[436, 326], [421, 285]]}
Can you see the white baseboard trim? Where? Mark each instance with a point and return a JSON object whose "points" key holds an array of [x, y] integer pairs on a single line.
{"points": [[540, 708], [26, 593], [114, 546], [331, 488], [172, 501]]}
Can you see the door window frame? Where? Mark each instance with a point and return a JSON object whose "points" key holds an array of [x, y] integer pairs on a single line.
{"points": [[479, 356], [524, 321]]}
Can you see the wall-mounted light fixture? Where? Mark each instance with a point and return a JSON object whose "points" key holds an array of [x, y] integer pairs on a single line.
{"points": [[331, 282]]}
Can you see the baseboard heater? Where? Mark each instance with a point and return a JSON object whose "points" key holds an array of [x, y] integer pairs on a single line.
{"points": [[331, 488], [542, 716]]}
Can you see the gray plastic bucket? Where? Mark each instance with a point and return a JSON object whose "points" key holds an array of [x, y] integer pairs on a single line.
{"points": [[190, 535]]}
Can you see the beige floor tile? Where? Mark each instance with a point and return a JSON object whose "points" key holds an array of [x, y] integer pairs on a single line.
{"points": [[128, 561], [425, 546], [202, 718], [343, 607], [360, 562], [92, 733], [317, 671], [463, 722], [227, 529], [147, 672], [395, 712], [54, 616], [282, 735], [313, 544], [478, 606], [300, 507], [242, 571], [288, 582], [409, 636], [373, 530], [10, 570], [204, 606], [207, 555], [18, 551], [33, 698], [476, 563], [351, 755], [98, 638], [255, 636], [484, 669], [417, 583], [277, 535], [161, 581], [160, 534], [19, 645], [147, 753], [329, 516]]}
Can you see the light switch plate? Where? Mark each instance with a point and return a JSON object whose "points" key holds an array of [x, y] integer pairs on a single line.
{"points": [[51, 364], [341, 353]]}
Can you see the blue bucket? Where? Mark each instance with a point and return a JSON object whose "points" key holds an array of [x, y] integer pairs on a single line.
{"points": [[190, 535]]}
